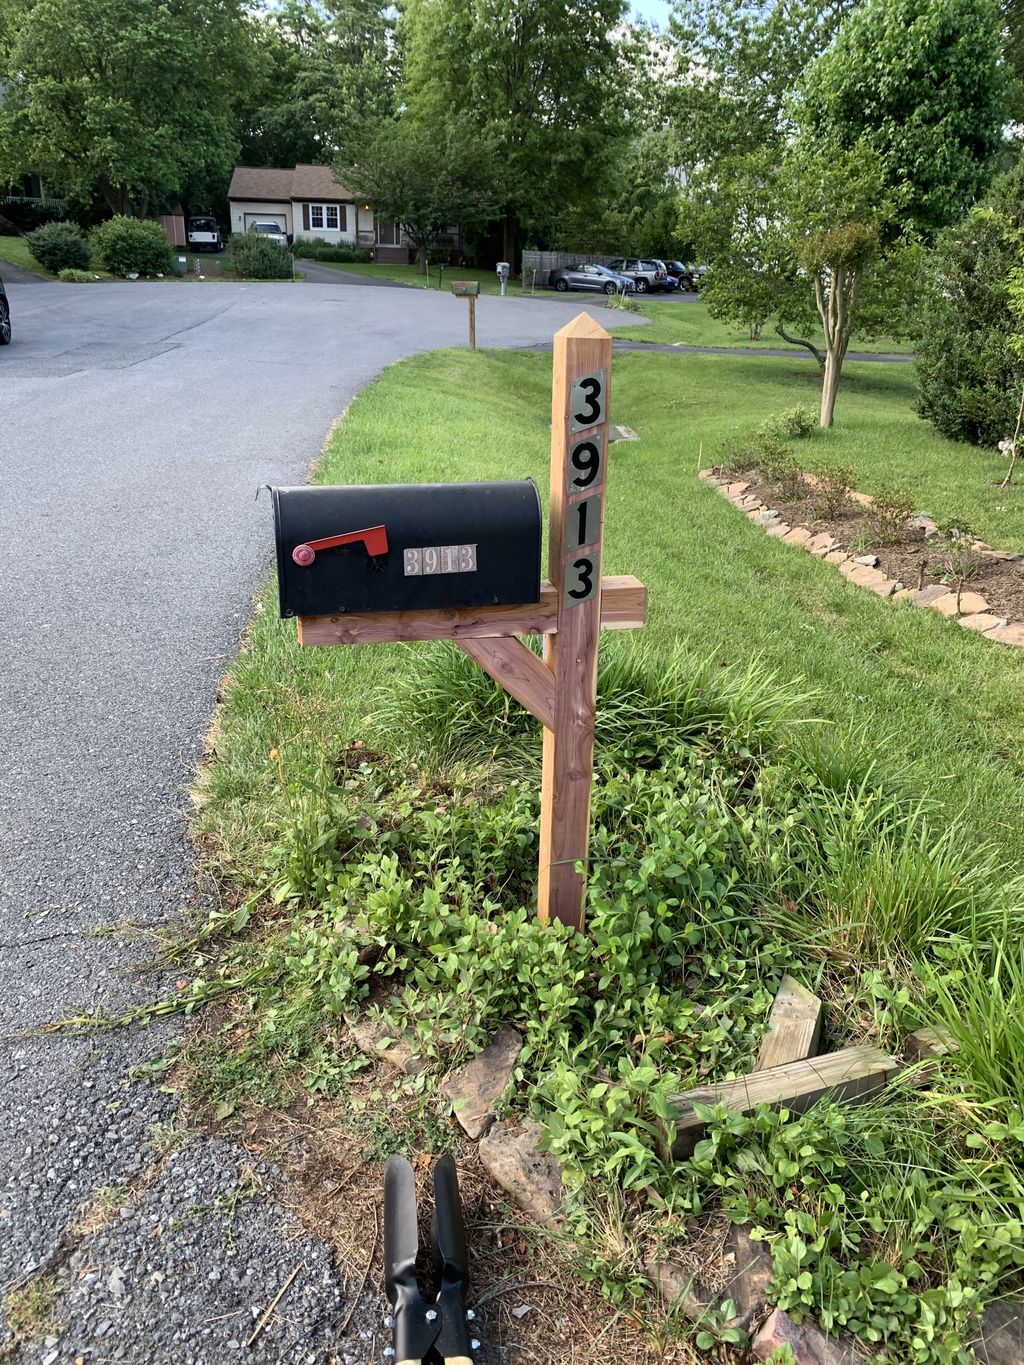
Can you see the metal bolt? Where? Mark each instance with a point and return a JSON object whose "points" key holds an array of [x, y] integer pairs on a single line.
{"points": [[470, 1315], [389, 1321], [474, 1345], [389, 1351], [431, 1314]]}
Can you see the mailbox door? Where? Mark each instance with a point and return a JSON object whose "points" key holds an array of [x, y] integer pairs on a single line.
{"points": [[448, 545]]}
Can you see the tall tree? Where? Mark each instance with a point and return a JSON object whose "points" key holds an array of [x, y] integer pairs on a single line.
{"points": [[737, 64], [541, 77], [125, 98], [326, 71], [427, 178], [923, 83]]}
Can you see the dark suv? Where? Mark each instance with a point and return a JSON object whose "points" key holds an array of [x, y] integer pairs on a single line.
{"points": [[647, 275], [5, 317]]}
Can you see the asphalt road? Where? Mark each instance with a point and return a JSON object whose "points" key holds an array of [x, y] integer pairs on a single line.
{"points": [[136, 422]]}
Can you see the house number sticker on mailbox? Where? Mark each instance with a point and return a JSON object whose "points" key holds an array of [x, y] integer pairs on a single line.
{"points": [[585, 467], [431, 559], [587, 401]]}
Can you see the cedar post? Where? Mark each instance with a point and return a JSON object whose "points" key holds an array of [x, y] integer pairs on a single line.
{"points": [[472, 322], [579, 457]]}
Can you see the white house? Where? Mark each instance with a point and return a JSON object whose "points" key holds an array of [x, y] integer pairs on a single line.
{"points": [[309, 201]]}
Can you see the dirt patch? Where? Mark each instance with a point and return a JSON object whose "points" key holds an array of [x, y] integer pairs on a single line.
{"points": [[911, 557]]}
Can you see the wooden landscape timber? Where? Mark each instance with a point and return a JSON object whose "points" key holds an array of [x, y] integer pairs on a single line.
{"points": [[853, 1074], [794, 1027]]}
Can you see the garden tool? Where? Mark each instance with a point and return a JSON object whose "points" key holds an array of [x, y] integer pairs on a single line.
{"points": [[434, 1331]]}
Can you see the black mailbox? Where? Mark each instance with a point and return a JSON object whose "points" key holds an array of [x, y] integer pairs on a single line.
{"points": [[407, 547]]}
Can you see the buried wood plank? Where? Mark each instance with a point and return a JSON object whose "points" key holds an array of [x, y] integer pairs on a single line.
{"points": [[852, 1074], [794, 1027]]}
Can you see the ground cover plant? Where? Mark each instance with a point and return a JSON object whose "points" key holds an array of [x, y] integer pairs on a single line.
{"points": [[374, 813]]}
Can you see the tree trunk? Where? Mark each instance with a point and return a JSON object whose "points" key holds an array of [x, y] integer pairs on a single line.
{"points": [[830, 386], [780, 327]]}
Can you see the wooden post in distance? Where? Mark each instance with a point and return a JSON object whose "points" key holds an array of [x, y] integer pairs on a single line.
{"points": [[579, 460]]}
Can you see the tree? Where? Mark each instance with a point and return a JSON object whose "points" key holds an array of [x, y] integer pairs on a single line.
{"points": [[540, 79], [738, 62], [126, 98], [968, 373], [326, 71], [921, 82], [427, 179]]}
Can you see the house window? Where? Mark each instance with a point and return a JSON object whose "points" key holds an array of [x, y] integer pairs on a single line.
{"points": [[388, 234], [330, 216]]}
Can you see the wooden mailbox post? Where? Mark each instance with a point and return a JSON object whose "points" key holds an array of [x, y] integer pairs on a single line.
{"points": [[468, 289], [575, 605]]}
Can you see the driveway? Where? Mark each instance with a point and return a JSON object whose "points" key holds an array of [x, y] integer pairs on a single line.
{"points": [[136, 423]]}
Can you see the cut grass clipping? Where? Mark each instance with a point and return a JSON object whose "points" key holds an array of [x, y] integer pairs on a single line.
{"points": [[376, 812]]}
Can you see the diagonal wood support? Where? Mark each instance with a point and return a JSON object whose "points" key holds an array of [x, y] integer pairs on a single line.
{"points": [[516, 668]]}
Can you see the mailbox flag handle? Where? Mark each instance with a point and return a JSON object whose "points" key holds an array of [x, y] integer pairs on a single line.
{"points": [[375, 538]]}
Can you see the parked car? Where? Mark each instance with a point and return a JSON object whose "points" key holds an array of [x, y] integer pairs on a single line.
{"points": [[5, 317], [274, 231], [648, 275], [597, 277], [689, 277], [671, 281], [203, 234]]}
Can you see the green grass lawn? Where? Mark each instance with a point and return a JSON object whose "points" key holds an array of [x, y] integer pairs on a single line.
{"points": [[13, 249], [934, 704], [690, 324], [410, 274]]}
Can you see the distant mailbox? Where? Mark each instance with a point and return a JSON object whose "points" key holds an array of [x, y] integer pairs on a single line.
{"points": [[465, 289], [407, 547]]}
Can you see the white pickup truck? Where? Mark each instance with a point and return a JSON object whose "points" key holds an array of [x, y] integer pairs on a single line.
{"points": [[203, 234]]}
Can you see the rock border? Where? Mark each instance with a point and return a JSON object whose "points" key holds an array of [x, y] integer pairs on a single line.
{"points": [[862, 569]]}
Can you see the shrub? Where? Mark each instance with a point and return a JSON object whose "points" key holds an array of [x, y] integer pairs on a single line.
{"points": [[71, 276], [317, 249], [794, 423], [780, 466], [59, 245], [833, 491], [128, 246], [889, 514], [256, 257], [969, 378]]}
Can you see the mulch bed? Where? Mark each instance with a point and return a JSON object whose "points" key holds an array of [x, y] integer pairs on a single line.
{"points": [[911, 558]]}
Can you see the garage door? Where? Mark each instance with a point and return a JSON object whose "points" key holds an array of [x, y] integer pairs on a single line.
{"points": [[277, 218]]}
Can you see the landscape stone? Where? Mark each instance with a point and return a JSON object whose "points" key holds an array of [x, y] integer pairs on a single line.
{"points": [[868, 578], [870, 560], [1007, 556], [745, 1270], [971, 604], [1012, 634], [778, 530], [512, 1157], [750, 503], [821, 543], [809, 1344], [924, 597], [475, 1087], [733, 490], [982, 621], [621, 434], [861, 499], [836, 557], [923, 523], [799, 535], [370, 1035], [765, 517], [1001, 1339]]}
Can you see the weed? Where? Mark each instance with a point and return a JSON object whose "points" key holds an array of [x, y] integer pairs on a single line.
{"points": [[31, 1309], [955, 542], [781, 468]]}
